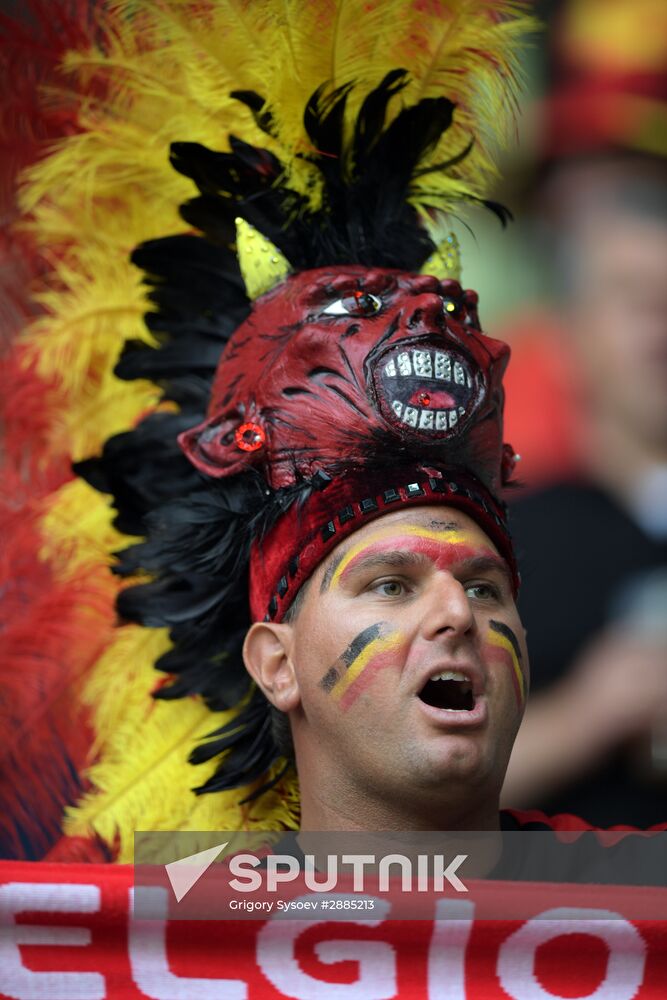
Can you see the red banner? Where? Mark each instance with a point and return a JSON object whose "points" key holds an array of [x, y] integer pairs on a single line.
{"points": [[67, 933]]}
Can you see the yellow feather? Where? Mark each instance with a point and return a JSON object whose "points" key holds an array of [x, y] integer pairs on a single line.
{"points": [[164, 73], [76, 529], [142, 779]]}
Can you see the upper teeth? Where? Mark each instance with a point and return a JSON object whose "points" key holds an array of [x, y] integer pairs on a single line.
{"points": [[428, 364], [422, 363], [404, 366], [450, 675]]}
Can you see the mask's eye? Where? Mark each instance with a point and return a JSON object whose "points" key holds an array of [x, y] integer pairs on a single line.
{"points": [[451, 307], [357, 304]]}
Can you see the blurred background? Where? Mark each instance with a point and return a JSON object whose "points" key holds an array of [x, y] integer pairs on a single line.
{"points": [[578, 287]]}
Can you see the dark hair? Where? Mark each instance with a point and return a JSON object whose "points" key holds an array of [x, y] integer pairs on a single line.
{"points": [[281, 731]]}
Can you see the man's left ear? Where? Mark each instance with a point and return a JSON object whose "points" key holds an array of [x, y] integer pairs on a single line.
{"points": [[267, 656]]}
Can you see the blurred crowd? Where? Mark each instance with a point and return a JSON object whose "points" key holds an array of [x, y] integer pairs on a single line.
{"points": [[587, 410]]}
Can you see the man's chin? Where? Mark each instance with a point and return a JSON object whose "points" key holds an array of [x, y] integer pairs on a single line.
{"points": [[452, 761]]}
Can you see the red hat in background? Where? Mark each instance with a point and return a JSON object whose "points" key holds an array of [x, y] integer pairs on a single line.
{"points": [[610, 79]]}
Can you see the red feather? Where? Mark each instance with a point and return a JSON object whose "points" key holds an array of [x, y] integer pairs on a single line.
{"points": [[51, 630]]}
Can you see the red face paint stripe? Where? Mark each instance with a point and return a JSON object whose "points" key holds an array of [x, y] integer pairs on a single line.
{"points": [[496, 654], [444, 554], [364, 680], [347, 658]]}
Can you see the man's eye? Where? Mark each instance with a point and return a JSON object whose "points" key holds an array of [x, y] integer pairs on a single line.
{"points": [[390, 588], [482, 591], [357, 304]]}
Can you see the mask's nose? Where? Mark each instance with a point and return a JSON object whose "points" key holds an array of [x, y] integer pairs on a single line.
{"points": [[427, 312]]}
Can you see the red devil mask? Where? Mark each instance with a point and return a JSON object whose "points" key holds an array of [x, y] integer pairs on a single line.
{"points": [[341, 363]]}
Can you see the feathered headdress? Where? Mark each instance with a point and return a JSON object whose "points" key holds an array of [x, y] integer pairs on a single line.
{"points": [[328, 142]]}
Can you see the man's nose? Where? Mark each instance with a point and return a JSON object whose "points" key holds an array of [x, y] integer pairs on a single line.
{"points": [[448, 610]]}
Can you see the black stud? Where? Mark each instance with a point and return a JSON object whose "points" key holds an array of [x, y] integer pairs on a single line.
{"points": [[282, 586], [346, 514], [293, 566], [391, 495], [414, 490], [328, 531], [320, 480], [437, 485], [273, 606], [453, 487], [267, 618], [367, 505]]}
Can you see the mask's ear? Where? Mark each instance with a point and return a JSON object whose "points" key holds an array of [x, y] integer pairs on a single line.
{"points": [[266, 654], [262, 264], [224, 444]]}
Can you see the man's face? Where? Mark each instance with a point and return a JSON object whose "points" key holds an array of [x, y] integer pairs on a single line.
{"points": [[610, 217], [409, 658]]}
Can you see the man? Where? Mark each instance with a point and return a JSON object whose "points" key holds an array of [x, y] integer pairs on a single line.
{"points": [[402, 670]]}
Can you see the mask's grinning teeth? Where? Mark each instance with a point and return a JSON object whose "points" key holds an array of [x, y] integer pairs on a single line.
{"points": [[449, 691], [428, 390]]}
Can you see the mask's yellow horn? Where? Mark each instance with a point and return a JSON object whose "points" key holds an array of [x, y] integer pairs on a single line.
{"points": [[445, 261], [262, 265]]}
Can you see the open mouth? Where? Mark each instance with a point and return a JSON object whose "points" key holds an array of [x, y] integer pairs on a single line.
{"points": [[450, 690], [427, 389]]}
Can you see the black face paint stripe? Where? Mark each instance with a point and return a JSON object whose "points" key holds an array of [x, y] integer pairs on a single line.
{"points": [[505, 630], [329, 679], [347, 658]]}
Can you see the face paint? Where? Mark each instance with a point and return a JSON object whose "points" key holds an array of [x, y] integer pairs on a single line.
{"points": [[501, 638], [369, 652], [443, 548], [346, 659]]}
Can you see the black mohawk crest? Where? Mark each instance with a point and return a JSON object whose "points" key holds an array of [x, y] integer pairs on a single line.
{"points": [[365, 216]]}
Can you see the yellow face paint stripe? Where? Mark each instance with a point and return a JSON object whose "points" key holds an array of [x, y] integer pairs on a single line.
{"points": [[380, 645], [451, 535], [494, 639]]}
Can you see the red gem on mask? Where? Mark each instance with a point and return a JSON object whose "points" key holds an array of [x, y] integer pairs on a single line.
{"points": [[424, 398], [249, 437]]}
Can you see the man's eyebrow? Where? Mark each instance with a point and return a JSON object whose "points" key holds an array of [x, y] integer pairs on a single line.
{"points": [[482, 564], [434, 525], [398, 557]]}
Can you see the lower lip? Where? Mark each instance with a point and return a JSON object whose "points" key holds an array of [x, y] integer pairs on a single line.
{"points": [[447, 718]]}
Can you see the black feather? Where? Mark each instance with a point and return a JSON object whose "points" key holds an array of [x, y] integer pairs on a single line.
{"points": [[198, 531]]}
